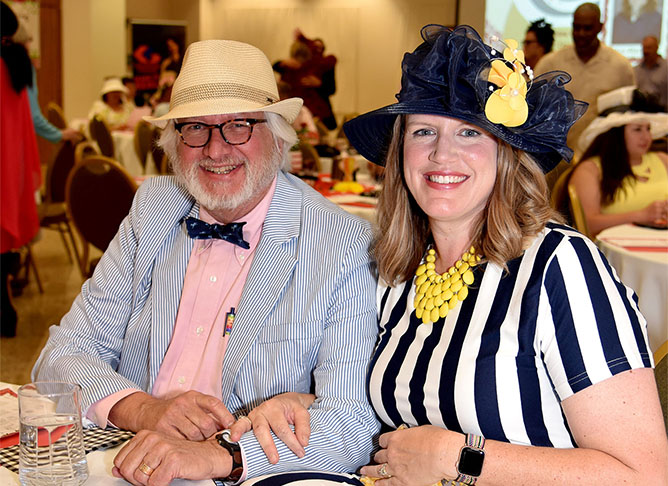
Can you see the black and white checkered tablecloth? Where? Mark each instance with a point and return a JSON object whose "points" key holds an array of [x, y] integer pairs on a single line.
{"points": [[95, 439]]}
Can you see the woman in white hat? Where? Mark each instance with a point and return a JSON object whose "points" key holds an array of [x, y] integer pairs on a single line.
{"points": [[619, 179], [112, 108]]}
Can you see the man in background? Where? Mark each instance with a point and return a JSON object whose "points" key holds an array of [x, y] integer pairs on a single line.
{"points": [[652, 72], [538, 41], [594, 67]]}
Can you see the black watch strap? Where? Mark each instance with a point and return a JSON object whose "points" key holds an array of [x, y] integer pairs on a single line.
{"points": [[235, 451]]}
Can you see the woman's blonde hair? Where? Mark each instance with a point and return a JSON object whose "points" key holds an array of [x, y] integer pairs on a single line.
{"points": [[517, 210]]}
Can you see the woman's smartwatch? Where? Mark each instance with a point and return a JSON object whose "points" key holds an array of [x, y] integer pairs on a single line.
{"points": [[471, 459], [235, 451]]}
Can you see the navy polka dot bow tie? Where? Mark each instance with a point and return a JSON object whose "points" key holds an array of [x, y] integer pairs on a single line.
{"points": [[231, 232]]}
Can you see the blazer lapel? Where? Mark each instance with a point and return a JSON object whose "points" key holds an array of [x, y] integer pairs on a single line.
{"points": [[271, 270]]}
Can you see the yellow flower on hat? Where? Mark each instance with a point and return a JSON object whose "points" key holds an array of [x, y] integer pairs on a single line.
{"points": [[507, 105], [511, 53]]}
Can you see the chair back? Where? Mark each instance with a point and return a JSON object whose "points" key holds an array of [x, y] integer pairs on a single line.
{"points": [[159, 156], [577, 212], [559, 195], [143, 141], [323, 131], [99, 131], [661, 374], [84, 149], [57, 172], [55, 115], [348, 116], [310, 157], [99, 195]]}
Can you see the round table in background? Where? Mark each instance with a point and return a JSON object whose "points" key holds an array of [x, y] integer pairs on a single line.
{"points": [[640, 256]]}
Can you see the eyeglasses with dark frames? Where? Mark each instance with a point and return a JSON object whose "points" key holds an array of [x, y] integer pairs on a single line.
{"points": [[235, 132]]}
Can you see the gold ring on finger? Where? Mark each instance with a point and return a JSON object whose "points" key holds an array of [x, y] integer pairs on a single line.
{"points": [[145, 468], [382, 470], [247, 418]]}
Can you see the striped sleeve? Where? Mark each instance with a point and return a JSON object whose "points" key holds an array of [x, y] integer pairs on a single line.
{"points": [[595, 328]]}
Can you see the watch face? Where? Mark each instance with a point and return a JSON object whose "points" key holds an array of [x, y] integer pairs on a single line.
{"points": [[470, 461]]}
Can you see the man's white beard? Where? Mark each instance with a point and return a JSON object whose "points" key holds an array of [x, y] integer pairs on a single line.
{"points": [[258, 178]]}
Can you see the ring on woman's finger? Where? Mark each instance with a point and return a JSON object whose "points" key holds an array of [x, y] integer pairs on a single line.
{"points": [[382, 470], [247, 418], [145, 468]]}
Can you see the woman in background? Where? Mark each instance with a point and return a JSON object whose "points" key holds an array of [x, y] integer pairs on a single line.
{"points": [[20, 175], [619, 179], [43, 127], [112, 108]]}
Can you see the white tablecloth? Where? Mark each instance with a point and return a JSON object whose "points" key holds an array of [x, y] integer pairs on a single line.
{"points": [[100, 464], [640, 256], [124, 147], [357, 205]]}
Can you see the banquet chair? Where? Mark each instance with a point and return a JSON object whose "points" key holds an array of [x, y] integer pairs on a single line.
{"points": [[84, 149], [323, 131], [27, 265], [99, 131], [52, 211], [310, 157], [99, 194], [559, 198], [661, 374], [143, 141], [55, 115], [577, 213], [340, 133], [159, 156]]}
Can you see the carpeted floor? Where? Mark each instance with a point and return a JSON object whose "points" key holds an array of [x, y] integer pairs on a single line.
{"points": [[61, 281]]}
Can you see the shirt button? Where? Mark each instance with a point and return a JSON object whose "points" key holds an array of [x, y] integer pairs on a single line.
{"points": [[242, 256], [199, 330], [213, 278], [182, 380]]}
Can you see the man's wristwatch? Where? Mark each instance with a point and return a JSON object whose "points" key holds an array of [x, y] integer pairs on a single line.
{"points": [[235, 451], [471, 459]]}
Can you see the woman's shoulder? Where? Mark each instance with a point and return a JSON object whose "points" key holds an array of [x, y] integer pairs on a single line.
{"points": [[587, 168], [557, 239], [661, 156], [592, 164]]}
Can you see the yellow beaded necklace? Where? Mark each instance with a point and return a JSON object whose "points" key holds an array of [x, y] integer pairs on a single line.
{"points": [[436, 295]]}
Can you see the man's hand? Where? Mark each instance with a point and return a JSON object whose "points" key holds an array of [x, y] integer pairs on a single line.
{"points": [[153, 458], [191, 415], [277, 414]]}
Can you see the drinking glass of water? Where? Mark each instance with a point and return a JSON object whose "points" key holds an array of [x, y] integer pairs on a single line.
{"points": [[51, 450]]}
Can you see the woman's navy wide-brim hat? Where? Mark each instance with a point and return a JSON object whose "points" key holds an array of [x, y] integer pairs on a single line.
{"points": [[447, 75]]}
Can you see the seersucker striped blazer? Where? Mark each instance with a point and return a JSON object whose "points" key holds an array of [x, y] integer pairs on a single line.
{"points": [[306, 319]]}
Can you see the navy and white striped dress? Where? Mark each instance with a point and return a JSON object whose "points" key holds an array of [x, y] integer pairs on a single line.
{"points": [[502, 361]]}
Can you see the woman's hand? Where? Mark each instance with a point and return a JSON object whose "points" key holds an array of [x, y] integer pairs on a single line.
{"points": [[276, 415], [654, 212], [71, 135], [156, 459], [420, 452]]}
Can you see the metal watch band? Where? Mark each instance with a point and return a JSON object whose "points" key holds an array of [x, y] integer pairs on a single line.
{"points": [[235, 451]]}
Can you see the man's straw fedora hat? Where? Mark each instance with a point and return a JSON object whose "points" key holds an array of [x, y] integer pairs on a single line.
{"points": [[219, 77]]}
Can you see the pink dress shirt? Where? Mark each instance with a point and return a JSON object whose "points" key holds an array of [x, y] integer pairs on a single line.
{"points": [[213, 283]]}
